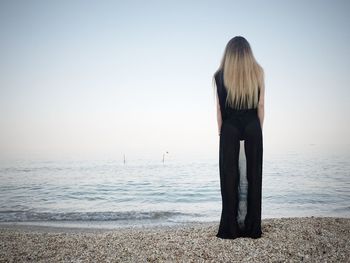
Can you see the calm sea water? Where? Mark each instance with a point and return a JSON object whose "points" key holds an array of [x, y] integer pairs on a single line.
{"points": [[142, 192]]}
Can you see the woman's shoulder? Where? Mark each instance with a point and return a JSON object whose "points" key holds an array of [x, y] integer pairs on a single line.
{"points": [[218, 78], [218, 74]]}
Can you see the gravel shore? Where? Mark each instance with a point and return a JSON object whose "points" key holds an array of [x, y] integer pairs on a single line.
{"points": [[308, 239]]}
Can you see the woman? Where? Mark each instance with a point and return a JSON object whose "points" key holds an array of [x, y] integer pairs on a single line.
{"points": [[240, 94]]}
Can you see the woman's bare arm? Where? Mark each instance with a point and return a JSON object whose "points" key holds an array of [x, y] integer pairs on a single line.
{"points": [[218, 113], [261, 106]]}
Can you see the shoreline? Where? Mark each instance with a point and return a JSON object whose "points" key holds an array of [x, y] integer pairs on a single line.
{"points": [[287, 238], [36, 227]]}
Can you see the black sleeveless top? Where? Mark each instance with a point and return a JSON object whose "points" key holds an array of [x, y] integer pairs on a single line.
{"points": [[227, 111]]}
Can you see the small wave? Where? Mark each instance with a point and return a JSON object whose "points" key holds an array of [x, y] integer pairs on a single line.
{"points": [[24, 216]]}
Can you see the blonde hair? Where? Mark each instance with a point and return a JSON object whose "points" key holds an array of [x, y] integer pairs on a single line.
{"points": [[243, 76]]}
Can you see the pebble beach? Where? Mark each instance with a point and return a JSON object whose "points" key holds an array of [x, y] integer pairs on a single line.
{"points": [[302, 239]]}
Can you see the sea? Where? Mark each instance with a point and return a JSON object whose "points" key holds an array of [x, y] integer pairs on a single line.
{"points": [[115, 193]]}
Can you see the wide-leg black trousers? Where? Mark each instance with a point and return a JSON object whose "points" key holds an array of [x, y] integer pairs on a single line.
{"points": [[243, 125]]}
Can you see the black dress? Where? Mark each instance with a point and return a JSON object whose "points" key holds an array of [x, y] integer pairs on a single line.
{"points": [[238, 125]]}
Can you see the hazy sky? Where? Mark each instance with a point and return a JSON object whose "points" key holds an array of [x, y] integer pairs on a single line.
{"points": [[97, 79]]}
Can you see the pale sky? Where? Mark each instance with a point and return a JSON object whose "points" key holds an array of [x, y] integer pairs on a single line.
{"points": [[99, 79]]}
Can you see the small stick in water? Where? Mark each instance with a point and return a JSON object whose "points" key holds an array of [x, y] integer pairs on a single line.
{"points": [[164, 155]]}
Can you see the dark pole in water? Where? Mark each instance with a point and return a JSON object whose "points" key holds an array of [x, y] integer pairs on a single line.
{"points": [[124, 158]]}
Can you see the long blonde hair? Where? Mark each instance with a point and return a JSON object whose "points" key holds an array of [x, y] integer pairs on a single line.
{"points": [[243, 76]]}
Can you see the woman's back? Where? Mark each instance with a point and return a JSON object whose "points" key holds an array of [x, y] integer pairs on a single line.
{"points": [[227, 110]]}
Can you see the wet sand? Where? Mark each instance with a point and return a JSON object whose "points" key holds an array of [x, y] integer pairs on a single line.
{"points": [[309, 239]]}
